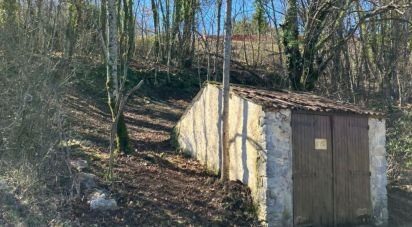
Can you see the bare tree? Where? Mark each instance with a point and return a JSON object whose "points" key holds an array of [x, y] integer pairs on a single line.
{"points": [[219, 14], [226, 90], [116, 86]]}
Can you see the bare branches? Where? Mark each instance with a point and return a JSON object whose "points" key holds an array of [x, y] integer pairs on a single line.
{"points": [[121, 102]]}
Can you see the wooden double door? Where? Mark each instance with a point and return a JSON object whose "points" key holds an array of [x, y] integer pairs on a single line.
{"points": [[331, 178]]}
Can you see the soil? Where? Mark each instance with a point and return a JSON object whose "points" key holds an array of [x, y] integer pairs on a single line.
{"points": [[154, 186], [400, 200], [157, 186]]}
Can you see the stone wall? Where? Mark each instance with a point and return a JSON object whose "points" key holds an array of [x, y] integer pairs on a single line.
{"points": [[198, 134], [261, 152], [278, 133], [198, 129], [247, 150], [378, 168]]}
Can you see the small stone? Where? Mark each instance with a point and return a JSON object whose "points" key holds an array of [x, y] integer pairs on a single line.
{"points": [[98, 200], [79, 164], [408, 188], [103, 204]]}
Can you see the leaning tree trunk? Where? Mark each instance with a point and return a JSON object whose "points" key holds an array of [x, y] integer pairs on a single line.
{"points": [[226, 79]]}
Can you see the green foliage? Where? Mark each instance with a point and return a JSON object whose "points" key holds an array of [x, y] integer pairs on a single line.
{"points": [[73, 14], [259, 20], [399, 137], [185, 81], [8, 10], [244, 26], [2, 16], [291, 43], [250, 26]]}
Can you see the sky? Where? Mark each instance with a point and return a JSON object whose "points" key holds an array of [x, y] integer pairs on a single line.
{"points": [[241, 9], [207, 17]]}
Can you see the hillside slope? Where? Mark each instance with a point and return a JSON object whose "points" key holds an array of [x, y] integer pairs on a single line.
{"points": [[155, 185]]}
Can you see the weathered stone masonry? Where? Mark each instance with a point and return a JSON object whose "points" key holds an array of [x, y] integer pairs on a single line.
{"points": [[198, 134], [378, 167], [261, 151], [279, 168]]}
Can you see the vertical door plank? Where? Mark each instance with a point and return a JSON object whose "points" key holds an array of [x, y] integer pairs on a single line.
{"points": [[312, 170], [351, 167]]}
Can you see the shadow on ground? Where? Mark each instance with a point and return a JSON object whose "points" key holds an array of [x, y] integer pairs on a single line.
{"points": [[154, 186], [400, 201]]}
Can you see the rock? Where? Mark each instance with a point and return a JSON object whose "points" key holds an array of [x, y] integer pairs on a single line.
{"points": [[87, 181], [103, 204], [78, 164], [408, 188], [99, 200]]}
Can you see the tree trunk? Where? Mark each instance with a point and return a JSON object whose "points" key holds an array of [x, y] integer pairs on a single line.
{"points": [[168, 38], [291, 43], [226, 79], [112, 80], [156, 28], [275, 23], [122, 138], [219, 15]]}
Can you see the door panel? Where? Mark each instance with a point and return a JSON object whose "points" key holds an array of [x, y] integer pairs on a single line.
{"points": [[331, 178], [312, 170], [351, 166]]}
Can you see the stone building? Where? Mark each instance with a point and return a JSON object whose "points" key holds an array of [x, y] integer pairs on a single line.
{"points": [[308, 160]]}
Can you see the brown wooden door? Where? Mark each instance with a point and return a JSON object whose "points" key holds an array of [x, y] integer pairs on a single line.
{"points": [[331, 182], [312, 170], [351, 167]]}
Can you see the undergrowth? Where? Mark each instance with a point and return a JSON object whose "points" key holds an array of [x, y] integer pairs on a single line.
{"points": [[399, 141]]}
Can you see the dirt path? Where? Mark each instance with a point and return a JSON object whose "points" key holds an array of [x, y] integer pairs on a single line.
{"points": [[154, 186]]}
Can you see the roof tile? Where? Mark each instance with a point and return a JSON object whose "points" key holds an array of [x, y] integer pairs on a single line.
{"points": [[283, 99]]}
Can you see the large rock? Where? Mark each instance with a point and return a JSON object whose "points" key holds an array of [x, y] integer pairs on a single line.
{"points": [[99, 200]]}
